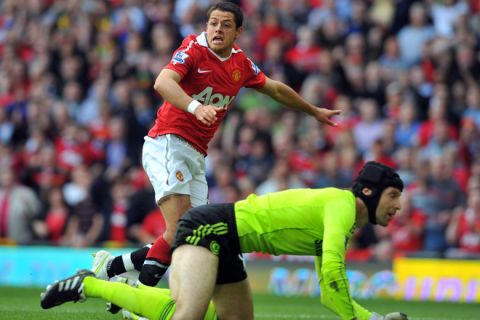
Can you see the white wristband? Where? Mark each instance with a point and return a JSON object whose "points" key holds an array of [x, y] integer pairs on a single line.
{"points": [[192, 106]]}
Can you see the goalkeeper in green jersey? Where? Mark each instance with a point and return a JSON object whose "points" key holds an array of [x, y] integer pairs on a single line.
{"points": [[207, 251]]}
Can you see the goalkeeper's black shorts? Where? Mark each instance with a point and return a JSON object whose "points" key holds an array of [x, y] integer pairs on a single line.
{"points": [[213, 227]]}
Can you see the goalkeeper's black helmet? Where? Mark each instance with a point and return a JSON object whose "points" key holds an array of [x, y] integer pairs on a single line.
{"points": [[376, 177]]}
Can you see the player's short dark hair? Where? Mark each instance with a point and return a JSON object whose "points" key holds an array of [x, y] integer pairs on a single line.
{"points": [[228, 7]]}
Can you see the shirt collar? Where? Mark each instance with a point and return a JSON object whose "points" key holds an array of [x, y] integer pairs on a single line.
{"points": [[202, 40]]}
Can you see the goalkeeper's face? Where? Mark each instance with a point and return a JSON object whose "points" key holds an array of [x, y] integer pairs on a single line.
{"points": [[388, 205]]}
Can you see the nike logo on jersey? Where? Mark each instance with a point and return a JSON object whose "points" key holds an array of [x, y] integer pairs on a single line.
{"points": [[203, 71]]}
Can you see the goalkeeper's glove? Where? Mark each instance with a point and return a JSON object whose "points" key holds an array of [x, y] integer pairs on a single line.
{"points": [[396, 316], [390, 316]]}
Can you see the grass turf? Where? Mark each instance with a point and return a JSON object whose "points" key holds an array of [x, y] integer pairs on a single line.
{"points": [[24, 303]]}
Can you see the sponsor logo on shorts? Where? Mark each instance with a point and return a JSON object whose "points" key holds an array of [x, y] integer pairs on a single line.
{"points": [[201, 232], [215, 247], [179, 176]]}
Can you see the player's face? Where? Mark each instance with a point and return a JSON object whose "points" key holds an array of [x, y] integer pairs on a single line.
{"points": [[222, 32], [388, 205]]}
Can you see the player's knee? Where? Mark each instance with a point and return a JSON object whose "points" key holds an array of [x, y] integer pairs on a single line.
{"points": [[184, 312]]}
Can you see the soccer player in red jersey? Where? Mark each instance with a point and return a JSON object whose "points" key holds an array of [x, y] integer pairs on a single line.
{"points": [[198, 86]]}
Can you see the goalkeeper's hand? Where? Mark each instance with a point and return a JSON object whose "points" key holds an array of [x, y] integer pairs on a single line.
{"points": [[390, 316]]}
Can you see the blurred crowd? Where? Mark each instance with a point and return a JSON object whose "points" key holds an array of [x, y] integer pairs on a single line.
{"points": [[77, 98]]}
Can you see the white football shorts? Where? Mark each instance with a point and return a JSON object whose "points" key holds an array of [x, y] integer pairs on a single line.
{"points": [[173, 166]]}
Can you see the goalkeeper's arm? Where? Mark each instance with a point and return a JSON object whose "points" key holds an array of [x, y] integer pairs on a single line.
{"points": [[389, 316], [336, 297]]}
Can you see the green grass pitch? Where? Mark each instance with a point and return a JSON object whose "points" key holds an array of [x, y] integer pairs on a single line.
{"points": [[23, 303]]}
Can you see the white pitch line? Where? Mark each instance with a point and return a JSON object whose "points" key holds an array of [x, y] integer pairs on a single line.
{"points": [[309, 316]]}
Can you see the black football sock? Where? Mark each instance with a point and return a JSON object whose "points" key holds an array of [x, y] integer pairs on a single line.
{"points": [[152, 272], [127, 262]]}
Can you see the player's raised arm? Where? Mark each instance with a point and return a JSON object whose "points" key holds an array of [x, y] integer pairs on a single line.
{"points": [[167, 85], [287, 96]]}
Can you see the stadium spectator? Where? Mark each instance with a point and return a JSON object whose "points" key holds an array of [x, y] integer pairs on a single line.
{"points": [[116, 153], [374, 86], [282, 177], [407, 126], [271, 27], [140, 205], [346, 120], [404, 234], [390, 61], [304, 55], [463, 232], [413, 36], [404, 158], [42, 172], [378, 152], [52, 227], [445, 15], [153, 225], [439, 142], [370, 127], [437, 114], [86, 221], [116, 217], [445, 196], [328, 174], [224, 180], [420, 89], [6, 127], [326, 217], [19, 206], [260, 159], [322, 13], [472, 107]]}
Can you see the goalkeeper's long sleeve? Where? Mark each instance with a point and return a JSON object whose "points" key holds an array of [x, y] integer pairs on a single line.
{"points": [[335, 294]]}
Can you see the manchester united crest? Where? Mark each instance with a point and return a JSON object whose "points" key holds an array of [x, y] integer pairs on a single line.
{"points": [[236, 75], [179, 176]]}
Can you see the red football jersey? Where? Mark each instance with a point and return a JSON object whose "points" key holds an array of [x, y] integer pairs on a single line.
{"points": [[210, 79]]}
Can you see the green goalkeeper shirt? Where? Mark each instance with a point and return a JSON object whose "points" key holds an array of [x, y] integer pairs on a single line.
{"points": [[315, 222]]}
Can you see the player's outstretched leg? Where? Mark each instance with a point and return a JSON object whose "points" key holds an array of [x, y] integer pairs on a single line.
{"points": [[143, 301], [101, 260], [69, 289], [106, 266]]}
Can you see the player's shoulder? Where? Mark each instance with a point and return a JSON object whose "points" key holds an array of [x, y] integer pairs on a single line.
{"points": [[242, 59], [192, 43], [236, 50], [331, 194], [198, 41]]}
